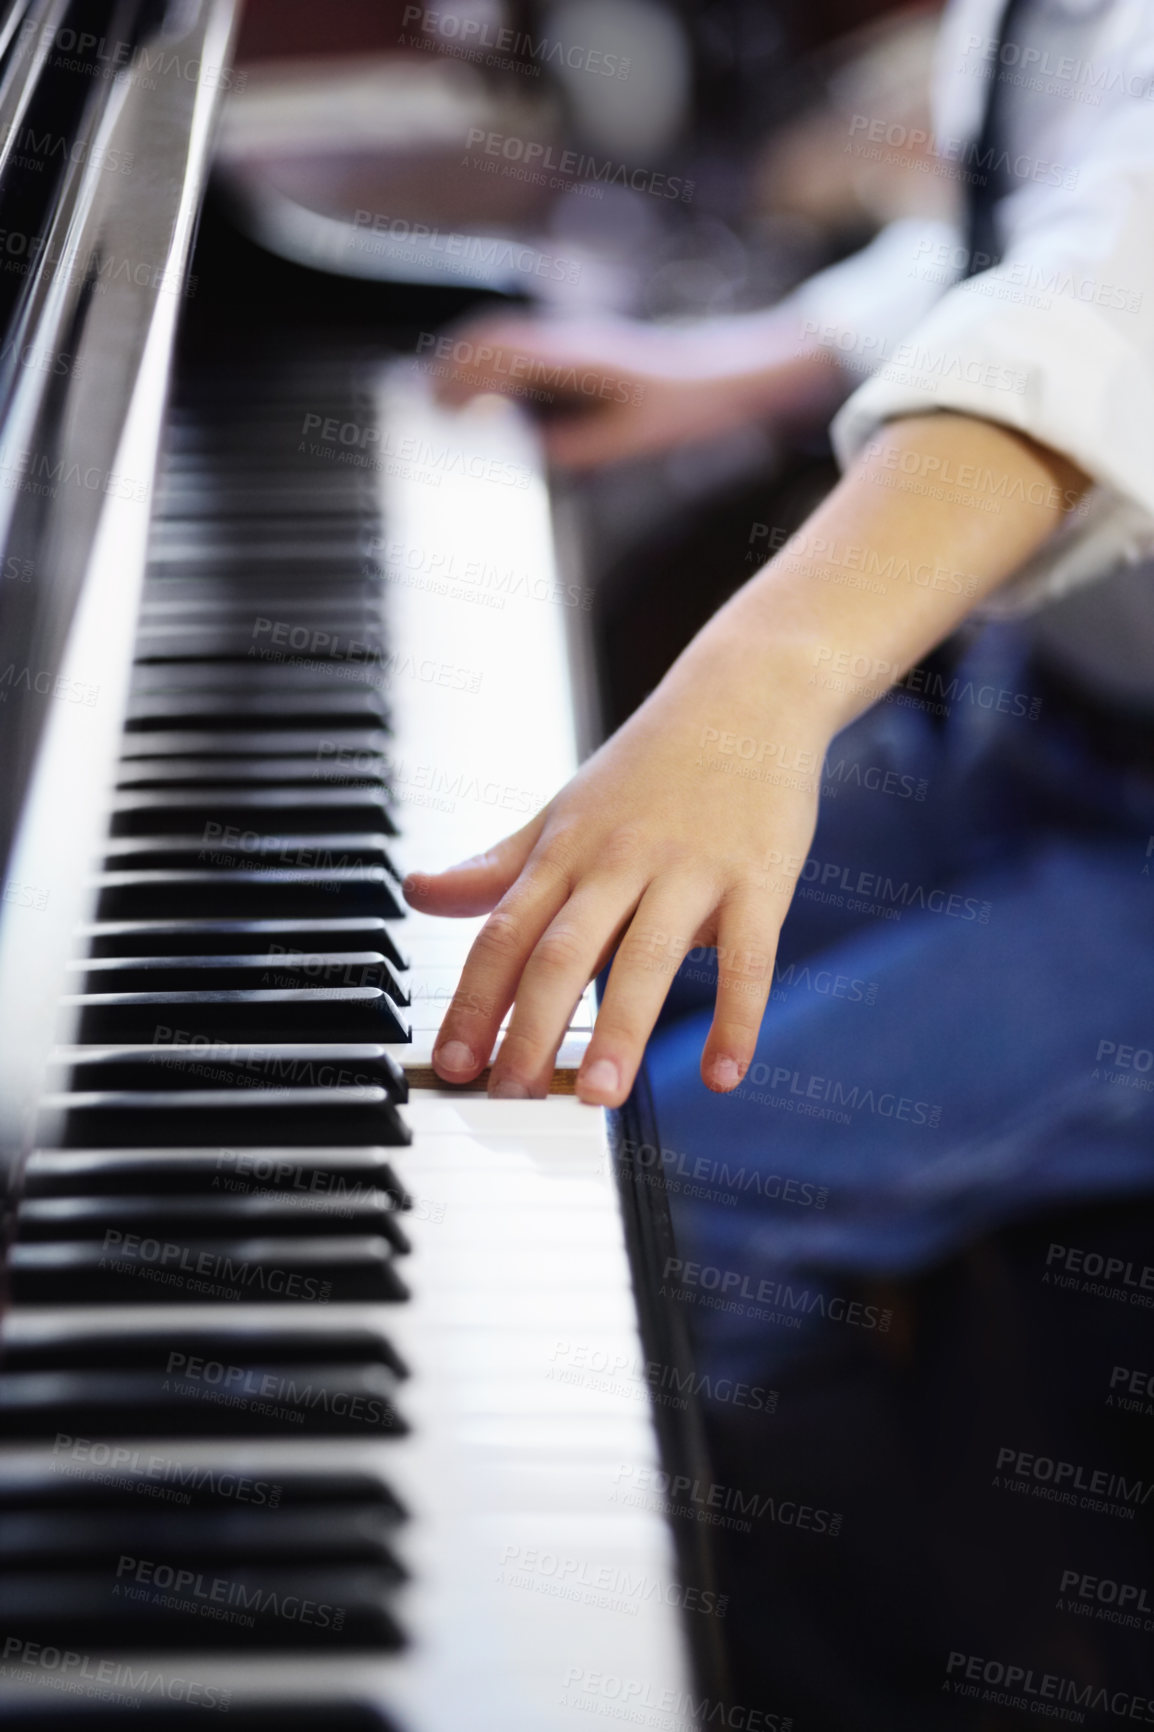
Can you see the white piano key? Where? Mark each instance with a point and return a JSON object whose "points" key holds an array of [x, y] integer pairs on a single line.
{"points": [[528, 1397]]}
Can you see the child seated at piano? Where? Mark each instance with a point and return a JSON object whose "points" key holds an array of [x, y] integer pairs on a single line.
{"points": [[998, 459], [939, 869]]}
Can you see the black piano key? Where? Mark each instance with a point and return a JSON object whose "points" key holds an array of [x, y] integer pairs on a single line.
{"points": [[265, 892], [234, 1339], [361, 708], [42, 1220], [245, 744], [312, 566], [152, 1607], [129, 1270], [247, 1118], [265, 613], [204, 1350], [178, 676], [80, 1716], [229, 776], [294, 810], [306, 1400], [238, 972], [56, 1539], [183, 1171], [180, 1066], [91, 1488], [199, 598], [223, 658], [236, 848], [194, 492], [256, 546], [242, 937], [347, 1013]]}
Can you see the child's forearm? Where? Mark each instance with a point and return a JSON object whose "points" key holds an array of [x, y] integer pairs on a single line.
{"points": [[893, 560], [649, 850]]}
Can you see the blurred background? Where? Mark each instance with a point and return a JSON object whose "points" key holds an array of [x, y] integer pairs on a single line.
{"points": [[650, 158]]}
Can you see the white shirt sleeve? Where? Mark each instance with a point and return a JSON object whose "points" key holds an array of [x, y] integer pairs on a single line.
{"points": [[861, 308], [1058, 340]]}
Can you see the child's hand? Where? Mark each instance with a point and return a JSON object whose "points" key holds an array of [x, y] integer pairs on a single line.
{"points": [[611, 389], [689, 827]]}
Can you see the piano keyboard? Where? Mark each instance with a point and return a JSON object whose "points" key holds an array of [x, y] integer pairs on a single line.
{"points": [[303, 1395]]}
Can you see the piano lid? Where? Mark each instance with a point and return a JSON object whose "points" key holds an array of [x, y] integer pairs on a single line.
{"points": [[107, 110]]}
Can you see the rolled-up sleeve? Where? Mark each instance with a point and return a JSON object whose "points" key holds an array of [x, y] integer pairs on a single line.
{"points": [[1057, 341], [861, 309]]}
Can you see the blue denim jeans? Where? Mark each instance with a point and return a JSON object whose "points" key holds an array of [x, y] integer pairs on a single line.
{"points": [[887, 1237], [962, 1020]]}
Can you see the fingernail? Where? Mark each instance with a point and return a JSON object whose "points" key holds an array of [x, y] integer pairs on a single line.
{"points": [[455, 1055], [508, 1089], [602, 1078], [724, 1074]]}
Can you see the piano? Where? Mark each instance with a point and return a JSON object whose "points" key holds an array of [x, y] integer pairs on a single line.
{"points": [[329, 1397]]}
